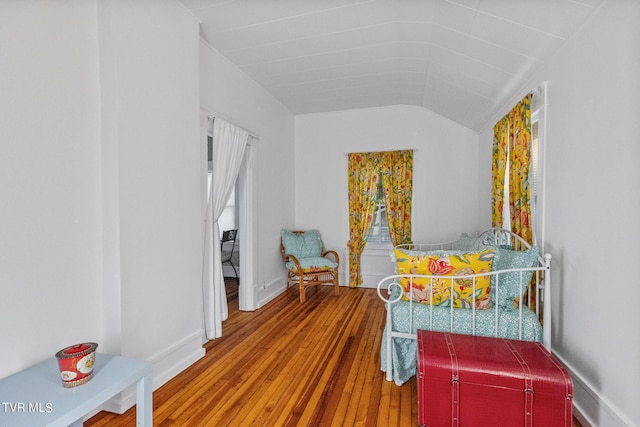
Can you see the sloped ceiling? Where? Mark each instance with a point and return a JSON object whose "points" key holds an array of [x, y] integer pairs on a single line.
{"points": [[462, 59]]}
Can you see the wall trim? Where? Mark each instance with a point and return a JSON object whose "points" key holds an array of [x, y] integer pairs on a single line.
{"points": [[268, 291], [166, 364], [592, 408], [246, 182], [381, 254], [370, 281]]}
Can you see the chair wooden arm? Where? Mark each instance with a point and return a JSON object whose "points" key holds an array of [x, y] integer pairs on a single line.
{"points": [[289, 257], [334, 253]]}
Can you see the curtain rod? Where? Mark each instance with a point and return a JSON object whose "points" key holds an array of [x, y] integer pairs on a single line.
{"points": [[211, 117], [540, 89], [382, 151]]}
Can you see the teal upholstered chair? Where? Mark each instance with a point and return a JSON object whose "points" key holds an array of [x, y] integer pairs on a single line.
{"points": [[307, 263]]}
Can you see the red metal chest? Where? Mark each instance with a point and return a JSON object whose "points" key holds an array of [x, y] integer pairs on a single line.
{"points": [[470, 381]]}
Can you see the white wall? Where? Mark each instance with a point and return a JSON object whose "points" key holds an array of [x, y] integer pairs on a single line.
{"points": [[151, 188], [444, 180], [50, 250], [228, 93], [100, 182], [592, 211], [100, 195], [100, 185]]}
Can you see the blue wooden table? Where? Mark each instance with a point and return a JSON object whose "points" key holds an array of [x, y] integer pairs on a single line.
{"points": [[36, 397]]}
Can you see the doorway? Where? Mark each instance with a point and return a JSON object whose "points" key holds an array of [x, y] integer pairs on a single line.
{"points": [[244, 202]]}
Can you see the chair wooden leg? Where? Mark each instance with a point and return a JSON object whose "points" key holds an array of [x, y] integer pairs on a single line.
{"points": [[302, 293]]}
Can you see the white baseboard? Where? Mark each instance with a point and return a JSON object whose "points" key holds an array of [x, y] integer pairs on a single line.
{"points": [[591, 408], [371, 280], [166, 365], [268, 291]]}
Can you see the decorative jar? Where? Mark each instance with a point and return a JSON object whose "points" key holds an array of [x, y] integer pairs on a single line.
{"points": [[76, 363]]}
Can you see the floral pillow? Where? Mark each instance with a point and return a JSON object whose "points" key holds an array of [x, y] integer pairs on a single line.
{"points": [[447, 263]]}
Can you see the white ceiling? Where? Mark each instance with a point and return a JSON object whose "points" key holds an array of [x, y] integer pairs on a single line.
{"points": [[462, 59]]}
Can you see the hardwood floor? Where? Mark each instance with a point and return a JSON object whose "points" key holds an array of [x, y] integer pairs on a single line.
{"points": [[288, 364]]}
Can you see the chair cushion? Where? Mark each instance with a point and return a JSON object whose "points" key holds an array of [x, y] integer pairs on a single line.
{"points": [[304, 245], [313, 264]]}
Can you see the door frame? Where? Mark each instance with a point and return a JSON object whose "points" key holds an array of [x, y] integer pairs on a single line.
{"points": [[246, 204], [246, 209]]}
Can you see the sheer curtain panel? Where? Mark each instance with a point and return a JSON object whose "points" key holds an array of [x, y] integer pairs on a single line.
{"points": [[229, 143]]}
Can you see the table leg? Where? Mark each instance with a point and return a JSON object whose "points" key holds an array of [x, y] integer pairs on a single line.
{"points": [[144, 402]]}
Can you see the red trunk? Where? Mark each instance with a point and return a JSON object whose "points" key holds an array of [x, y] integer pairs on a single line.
{"points": [[469, 381]]}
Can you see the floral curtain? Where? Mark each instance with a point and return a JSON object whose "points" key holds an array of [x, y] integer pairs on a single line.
{"points": [[499, 169], [363, 175], [520, 160], [396, 169], [512, 140]]}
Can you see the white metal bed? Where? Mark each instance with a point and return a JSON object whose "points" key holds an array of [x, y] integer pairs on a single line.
{"points": [[405, 316]]}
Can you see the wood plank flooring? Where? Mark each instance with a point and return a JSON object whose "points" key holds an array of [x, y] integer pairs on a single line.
{"points": [[288, 364]]}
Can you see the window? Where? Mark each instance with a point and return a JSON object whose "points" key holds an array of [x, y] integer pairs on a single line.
{"points": [[380, 182], [533, 173], [227, 220], [516, 195], [536, 174], [379, 232], [229, 217]]}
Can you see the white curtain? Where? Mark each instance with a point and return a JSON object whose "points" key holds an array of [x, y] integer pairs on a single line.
{"points": [[229, 143]]}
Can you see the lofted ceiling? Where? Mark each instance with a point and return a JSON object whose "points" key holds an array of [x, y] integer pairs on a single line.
{"points": [[462, 59]]}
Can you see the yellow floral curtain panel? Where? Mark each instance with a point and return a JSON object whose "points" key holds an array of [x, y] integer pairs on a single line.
{"points": [[397, 182], [365, 170], [512, 141], [499, 169]]}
